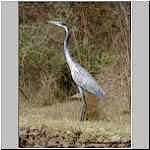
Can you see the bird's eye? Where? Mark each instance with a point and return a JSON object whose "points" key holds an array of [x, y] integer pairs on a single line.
{"points": [[62, 23]]}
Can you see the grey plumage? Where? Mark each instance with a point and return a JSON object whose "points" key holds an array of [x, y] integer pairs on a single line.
{"points": [[82, 78]]}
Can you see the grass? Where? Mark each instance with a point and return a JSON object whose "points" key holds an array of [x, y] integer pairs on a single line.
{"points": [[64, 118]]}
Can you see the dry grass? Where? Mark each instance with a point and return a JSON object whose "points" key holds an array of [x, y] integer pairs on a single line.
{"points": [[64, 117], [59, 123]]}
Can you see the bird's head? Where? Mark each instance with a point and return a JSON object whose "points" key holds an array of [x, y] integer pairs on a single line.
{"points": [[58, 23]]}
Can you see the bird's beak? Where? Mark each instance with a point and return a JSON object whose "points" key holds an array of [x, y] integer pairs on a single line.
{"points": [[53, 22]]}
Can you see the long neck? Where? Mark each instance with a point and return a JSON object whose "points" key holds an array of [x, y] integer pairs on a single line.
{"points": [[66, 51]]}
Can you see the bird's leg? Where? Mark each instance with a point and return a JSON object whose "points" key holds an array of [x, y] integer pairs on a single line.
{"points": [[84, 105], [83, 109]]}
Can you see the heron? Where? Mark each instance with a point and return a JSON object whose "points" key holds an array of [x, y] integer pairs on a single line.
{"points": [[82, 78]]}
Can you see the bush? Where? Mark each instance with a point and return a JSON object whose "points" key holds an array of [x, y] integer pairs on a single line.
{"points": [[99, 40]]}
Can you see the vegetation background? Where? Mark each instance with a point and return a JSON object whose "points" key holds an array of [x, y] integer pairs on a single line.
{"points": [[99, 41]]}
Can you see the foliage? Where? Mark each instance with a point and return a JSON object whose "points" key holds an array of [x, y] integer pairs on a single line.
{"points": [[99, 40]]}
